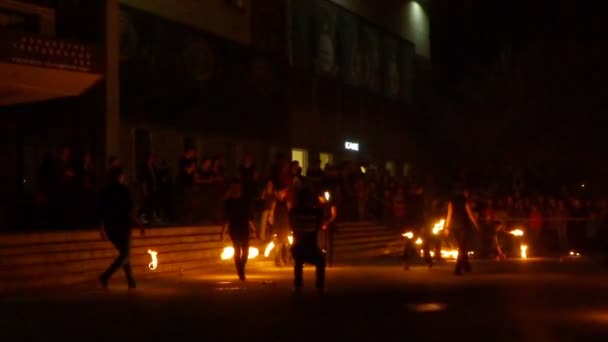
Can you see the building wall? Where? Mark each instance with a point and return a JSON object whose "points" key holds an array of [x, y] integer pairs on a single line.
{"points": [[342, 81], [183, 85], [243, 108], [409, 19], [224, 18], [19, 15]]}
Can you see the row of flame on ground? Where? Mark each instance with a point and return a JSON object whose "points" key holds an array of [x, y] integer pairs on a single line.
{"points": [[254, 252], [227, 253]]}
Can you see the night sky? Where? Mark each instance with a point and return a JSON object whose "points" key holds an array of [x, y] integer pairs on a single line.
{"points": [[521, 83]]}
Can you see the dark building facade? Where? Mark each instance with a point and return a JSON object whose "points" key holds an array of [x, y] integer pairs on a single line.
{"points": [[310, 79], [51, 91]]}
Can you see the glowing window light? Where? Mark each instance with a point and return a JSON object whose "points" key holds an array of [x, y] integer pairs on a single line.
{"points": [[352, 146]]}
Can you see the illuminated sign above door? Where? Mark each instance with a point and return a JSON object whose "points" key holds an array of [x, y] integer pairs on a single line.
{"points": [[352, 146]]}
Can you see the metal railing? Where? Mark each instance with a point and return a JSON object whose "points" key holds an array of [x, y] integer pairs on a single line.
{"points": [[50, 52]]}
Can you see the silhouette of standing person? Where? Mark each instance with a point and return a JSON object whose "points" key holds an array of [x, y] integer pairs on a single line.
{"points": [[118, 216], [461, 223], [281, 226], [329, 227], [238, 222], [306, 220]]}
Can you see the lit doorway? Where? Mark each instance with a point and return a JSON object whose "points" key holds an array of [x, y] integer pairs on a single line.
{"points": [[391, 168], [302, 157], [326, 158], [406, 169]]}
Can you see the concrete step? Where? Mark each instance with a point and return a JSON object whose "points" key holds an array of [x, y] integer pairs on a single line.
{"points": [[364, 244], [8, 239], [84, 246], [355, 235], [90, 276], [363, 255], [59, 258], [373, 228], [357, 223], [98, 260], [105, 249], [360, 247], [172, 261]]}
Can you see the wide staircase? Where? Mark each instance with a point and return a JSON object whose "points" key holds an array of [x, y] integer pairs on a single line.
{"points": [[50, 259], [363, 241]]}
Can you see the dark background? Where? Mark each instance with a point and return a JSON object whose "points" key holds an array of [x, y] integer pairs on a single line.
{"points": [[520, 89]]}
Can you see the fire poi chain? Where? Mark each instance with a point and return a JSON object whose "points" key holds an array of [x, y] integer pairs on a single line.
{"points": [[154, 260]]}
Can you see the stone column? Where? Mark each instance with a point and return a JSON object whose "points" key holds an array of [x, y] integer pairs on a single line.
{"points": [[112, 79]]}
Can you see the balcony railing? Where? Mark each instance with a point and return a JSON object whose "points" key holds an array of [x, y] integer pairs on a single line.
{"points": [[50, 52]]}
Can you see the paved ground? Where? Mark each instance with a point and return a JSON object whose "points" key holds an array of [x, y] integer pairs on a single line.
{"points": [[512, 301]]}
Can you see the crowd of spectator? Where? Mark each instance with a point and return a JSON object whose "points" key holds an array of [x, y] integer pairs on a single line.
{"points": [[551, 223], [193, 196]]}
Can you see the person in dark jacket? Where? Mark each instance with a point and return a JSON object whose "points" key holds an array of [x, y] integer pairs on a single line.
{"points": [[307, 220], [118, 216], [239, 224]]}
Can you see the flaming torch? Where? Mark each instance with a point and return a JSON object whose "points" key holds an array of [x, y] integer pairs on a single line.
{"points": [[449, 253], [268, 249], [408, 235], [271, 245], [253, 253], [517, 232], [228, 253], [439, 226], [523, 251], [154, 263]]}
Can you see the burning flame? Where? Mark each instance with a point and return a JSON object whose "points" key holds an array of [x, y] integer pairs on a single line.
{"points": [[228, 253], [445, 253], [517, 232], [271, 245], [449, 253], [524, 251], [419, 241], [327, 196], [439, 226], [268, 249], [154, 263], [408, 235]]}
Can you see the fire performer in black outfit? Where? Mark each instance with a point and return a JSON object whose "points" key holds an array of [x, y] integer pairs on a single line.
{"points": [[329, 227], [239, 224], [307, 220], [461, 223], [416, 221], [118, 216]]}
